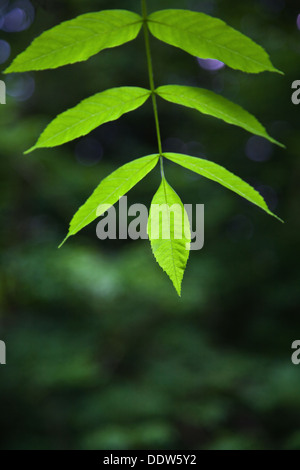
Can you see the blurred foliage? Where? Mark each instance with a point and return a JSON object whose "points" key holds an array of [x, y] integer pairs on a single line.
{"points": [[101, 354]]}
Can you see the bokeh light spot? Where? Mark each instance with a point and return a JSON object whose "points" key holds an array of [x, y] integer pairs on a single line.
{"points": [[88, 151], [18, 17], [4, 51], [213, 65], [258, 149], [20, 87]]}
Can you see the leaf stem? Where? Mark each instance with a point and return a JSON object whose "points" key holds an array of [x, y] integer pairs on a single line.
{"points": [[152, 84]]}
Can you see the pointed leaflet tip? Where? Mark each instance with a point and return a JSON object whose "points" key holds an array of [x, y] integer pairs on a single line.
{"points": [[274, 70], [279, 71], [273, 141], [64, 241], [279, 144], [30, 150], [276, 217]]}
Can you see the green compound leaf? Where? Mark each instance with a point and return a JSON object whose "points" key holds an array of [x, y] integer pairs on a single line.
{"points": [[209, 38], [103, 107], [208, 102], [169, 233], [222, 176], [110, 190], [78, 39]]}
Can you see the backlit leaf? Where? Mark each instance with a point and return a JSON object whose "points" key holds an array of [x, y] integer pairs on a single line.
{"points": [[110, 190], [169, 233], [209, 38], [103, 107], [222, 176], [208, 102]]}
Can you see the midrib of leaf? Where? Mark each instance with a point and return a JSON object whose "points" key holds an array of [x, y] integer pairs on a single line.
{"points": [[54, 136], [171, 241], [116, 189], [79, 42], [233, 51]]}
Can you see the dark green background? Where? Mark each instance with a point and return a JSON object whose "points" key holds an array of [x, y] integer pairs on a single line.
{"points": [[101, 353]]}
